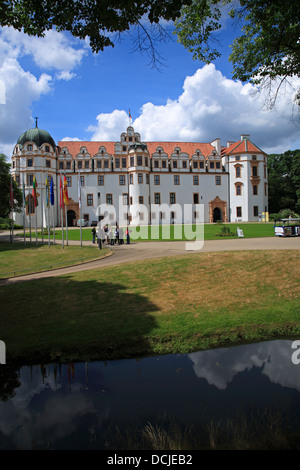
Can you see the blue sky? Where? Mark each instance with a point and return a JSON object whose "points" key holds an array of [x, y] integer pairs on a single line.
{"points": [[80, 95]]}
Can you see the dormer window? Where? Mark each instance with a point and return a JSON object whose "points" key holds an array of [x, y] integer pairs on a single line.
{"points": [[47, 148], [29, 147]]}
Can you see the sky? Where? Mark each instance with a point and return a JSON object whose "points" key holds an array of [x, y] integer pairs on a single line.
{"points": [[78, 95]]}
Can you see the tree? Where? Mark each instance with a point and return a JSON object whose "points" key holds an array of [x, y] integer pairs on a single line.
{"points": [[5, 180], [95, 19], [284, 181], [267, 52]]}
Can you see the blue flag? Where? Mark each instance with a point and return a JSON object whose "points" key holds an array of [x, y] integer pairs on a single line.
{"points": [[51, 192]]}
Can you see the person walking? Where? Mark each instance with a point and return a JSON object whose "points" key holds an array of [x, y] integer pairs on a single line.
{"points": [[94, 234]]}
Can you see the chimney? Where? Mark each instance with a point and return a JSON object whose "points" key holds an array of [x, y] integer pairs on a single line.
{"points": [[245, 137]]}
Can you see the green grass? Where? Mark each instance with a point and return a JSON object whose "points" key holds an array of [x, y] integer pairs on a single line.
{"points": [[168, 305], [17, 259], [143, 233]]}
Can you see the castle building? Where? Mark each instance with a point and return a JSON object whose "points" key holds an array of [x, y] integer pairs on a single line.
{"points": [[230, 182]]}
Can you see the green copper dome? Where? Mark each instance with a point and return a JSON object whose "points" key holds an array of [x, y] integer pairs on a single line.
{"points": [[38, 136]]}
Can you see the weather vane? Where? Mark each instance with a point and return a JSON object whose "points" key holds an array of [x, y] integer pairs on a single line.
{"points": [[36, 121]]}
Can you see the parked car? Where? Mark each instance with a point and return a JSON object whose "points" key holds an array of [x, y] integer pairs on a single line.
{"points": [[94, 223], [84, 223]]}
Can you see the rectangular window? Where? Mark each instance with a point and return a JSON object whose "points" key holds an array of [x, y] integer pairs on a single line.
{"points": [[156, 198], [147, 178], [89, 199], [196, 198], [48, 163], [184, 165], [239, 211], [125, 199], [61, 165], [146, 161], [140, 160], [254, 171], [254, 190], [29, 180], [253, 157], [29, 147], [164, 163], [156, 164], [106, 163], [140, 178], [175, 164], [117, 163], [238, 190], [124, 163], [211, 165], [255, 211], [131, 178], [47, 148], [156, 179], [237, 159], [100, 180], [98, 163], [124, 148], [86, 164], [218, 165], [201, 165], [18, 180], [176, 180], [141, 200], [238, 172], [196, 179], [68, 165], [131, 161], [109, 199], [218, 180], [195, 164], [122, 180], [79, 165], [130, 201], [172, 198], [81, 180], [69, 181]]}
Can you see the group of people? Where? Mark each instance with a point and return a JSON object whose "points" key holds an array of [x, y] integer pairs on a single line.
{"points": [[110, 235]]}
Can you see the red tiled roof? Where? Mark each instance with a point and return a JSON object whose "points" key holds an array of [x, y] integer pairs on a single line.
{"points": [[242, 146], [168, 147]]}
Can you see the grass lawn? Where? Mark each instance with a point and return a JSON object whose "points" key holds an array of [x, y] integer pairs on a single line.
{"points": [[211, 231], [169, 305], [16, 260]]}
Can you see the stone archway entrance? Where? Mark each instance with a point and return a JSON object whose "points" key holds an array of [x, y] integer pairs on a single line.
{"points": [[217, 210], [217, 215], [71, 216]]}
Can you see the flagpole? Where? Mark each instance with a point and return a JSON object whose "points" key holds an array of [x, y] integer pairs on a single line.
{"points": [[48, 204], [42, 209], [52, 204], [66, 215], [61, 210], [79, 201], [12, 208], [24, 209]]}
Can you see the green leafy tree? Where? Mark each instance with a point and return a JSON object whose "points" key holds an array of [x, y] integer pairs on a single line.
{"points": [[96, 19], [266, 53], [284, 181], [5, 180]]}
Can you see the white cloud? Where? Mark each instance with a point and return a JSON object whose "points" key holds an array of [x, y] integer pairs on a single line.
{"points": [[210, 106], [20, 88], [109, 126]]}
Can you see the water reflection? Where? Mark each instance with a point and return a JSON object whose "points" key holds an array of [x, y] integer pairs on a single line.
{"points": [[76, 405]]}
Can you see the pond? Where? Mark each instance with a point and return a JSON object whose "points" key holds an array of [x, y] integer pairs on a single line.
{"points": [[203, 400]]}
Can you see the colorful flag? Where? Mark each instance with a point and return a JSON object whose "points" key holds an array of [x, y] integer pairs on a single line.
{"points": [[66, 196], [130, 114], [34, 186], [79, 190], [47, 192], [24, 197], [52, 192], [61, 197]]}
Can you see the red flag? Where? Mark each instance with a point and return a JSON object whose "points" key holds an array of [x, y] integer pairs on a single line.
{"points": [[34, 186]]}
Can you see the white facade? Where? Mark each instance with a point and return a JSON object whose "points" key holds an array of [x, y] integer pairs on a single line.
{"points": [[154, 182]]}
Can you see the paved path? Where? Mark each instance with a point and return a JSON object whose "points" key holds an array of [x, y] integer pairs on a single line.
{"points": [[147, 250]]}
